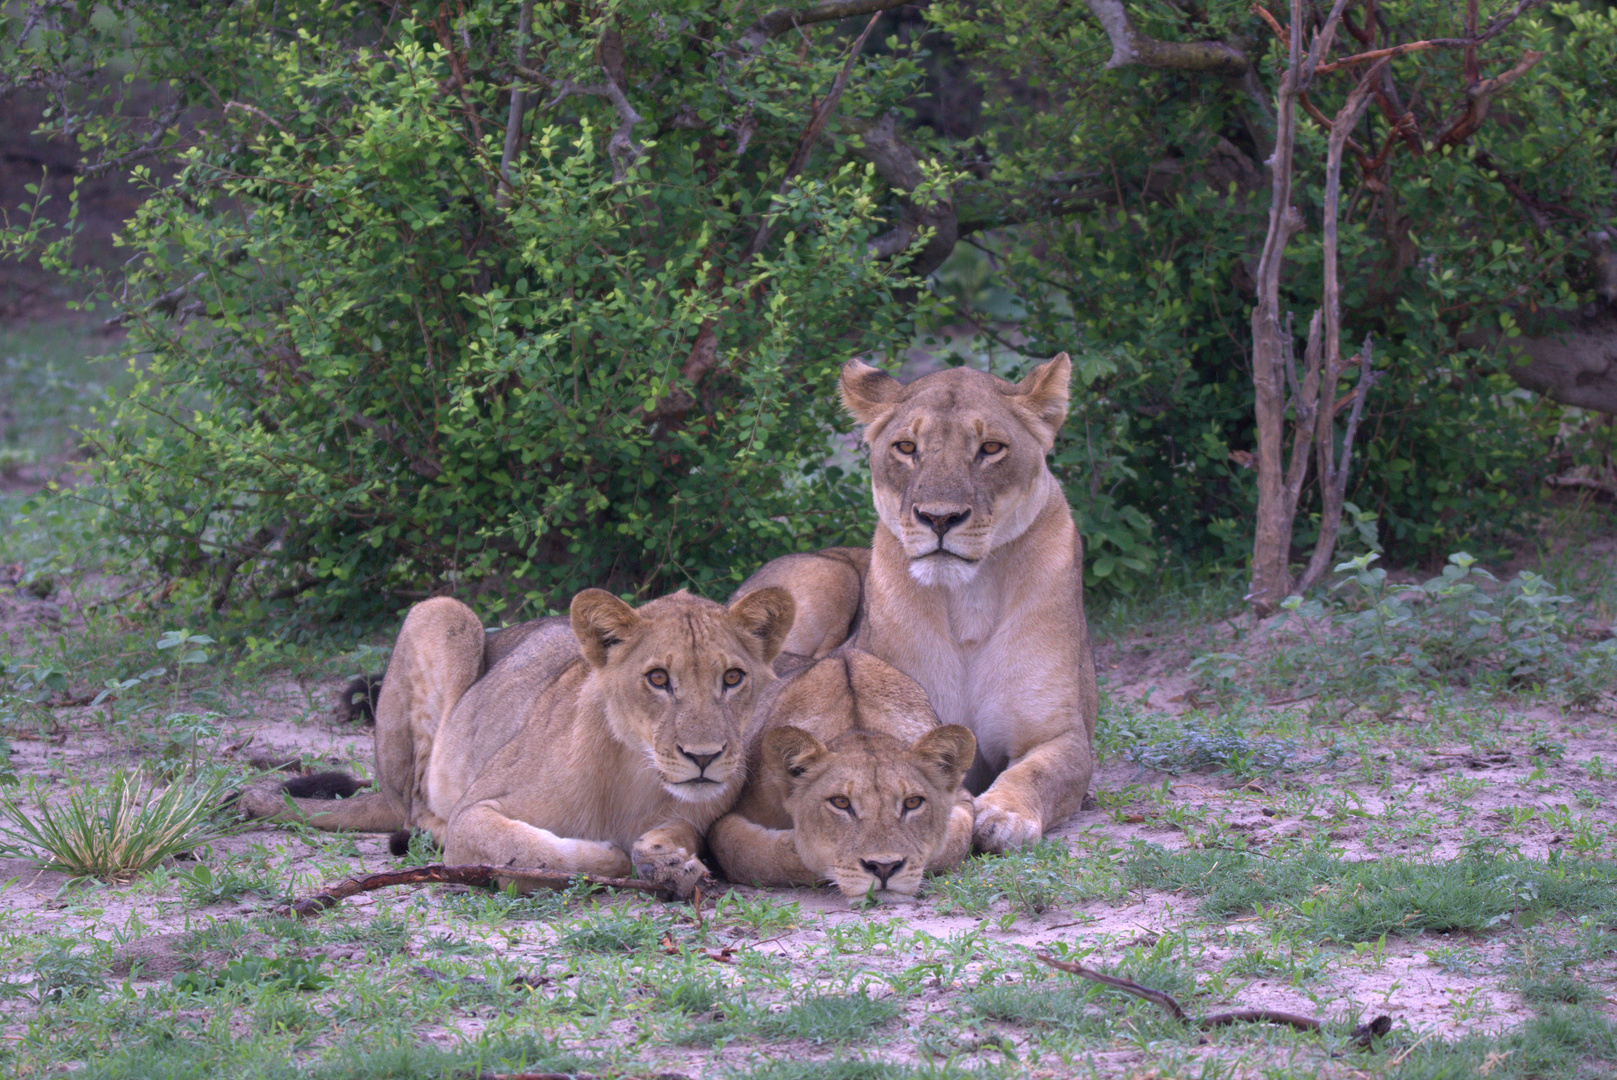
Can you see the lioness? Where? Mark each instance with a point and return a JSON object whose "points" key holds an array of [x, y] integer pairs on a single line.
{"points": [[850, 780], [975, 586], [613, 731]]}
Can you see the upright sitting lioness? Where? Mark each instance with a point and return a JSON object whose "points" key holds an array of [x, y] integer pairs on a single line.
{"points": [[589, 744], [975, 586], [850, 779]]}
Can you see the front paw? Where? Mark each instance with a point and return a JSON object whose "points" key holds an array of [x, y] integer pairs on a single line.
{"points": [[673, 870], [999, 829]]}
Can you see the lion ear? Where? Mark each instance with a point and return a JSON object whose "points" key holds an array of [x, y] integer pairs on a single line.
{"points": [[1042, 396], [766, 614], [868, 393], [600, 621], [791, 752], [946, 753]]}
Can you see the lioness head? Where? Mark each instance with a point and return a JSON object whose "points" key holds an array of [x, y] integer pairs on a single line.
{"points": [[957, 458], [679, 678], [868, 810]]}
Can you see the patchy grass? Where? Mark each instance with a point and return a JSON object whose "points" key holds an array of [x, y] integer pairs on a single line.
{"points": [[1282, 826]]}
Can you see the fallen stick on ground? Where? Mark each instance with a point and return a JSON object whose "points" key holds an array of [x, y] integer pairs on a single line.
{"points": [[1379, 1026], [484, 876]]}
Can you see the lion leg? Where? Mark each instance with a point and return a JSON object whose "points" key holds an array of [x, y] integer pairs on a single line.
{"points": [[957, 840], [666, 857], [1040, 788], [751, 854], [437, 657], [371, 812], [481, 834]]}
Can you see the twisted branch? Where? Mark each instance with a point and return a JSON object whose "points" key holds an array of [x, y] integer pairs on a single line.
{"points": [[478, 876]]}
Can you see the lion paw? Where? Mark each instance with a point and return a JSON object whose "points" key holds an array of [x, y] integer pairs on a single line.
{"points": [[998, 829], [673, 870]]}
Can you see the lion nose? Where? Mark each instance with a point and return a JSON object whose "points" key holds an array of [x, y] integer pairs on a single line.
{"points": [[941, 521], [703, 760], [881, 871]]}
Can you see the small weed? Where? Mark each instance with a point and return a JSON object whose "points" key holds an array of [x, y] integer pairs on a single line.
{"points": [[1222, 746], [762, 914], [829, 1018], [204, 886], [613, 932], [61, 973], [285, 973], [385, 933], [1030, 881], [1560, 990]]}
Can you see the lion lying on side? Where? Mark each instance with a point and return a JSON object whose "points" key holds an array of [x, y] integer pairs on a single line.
{"points": [[589, 744], [852, 781]]}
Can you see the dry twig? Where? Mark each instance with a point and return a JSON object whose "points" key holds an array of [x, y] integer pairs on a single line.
{"points": [[488, 877], [1363, 1033]]}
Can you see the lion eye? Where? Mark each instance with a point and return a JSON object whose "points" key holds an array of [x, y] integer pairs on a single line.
{"points": [[734, 676], [992, 448], [904, 446], [657, 677], [841, 802], [913, 802]]}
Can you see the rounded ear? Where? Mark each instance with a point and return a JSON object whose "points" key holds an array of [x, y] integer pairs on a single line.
{"points": [[791, 752], [1042, 396], [946, 752], [868, 393], [767, 615], [600, 621]]}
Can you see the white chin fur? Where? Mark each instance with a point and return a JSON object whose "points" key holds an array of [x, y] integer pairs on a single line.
{"points": [[695, 793], [944, 570]]}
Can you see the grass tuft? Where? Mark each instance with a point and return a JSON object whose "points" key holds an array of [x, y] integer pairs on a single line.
{"points": [[119, 830]]}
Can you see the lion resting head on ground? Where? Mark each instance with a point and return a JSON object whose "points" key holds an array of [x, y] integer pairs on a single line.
{"points": [[853, 781]]}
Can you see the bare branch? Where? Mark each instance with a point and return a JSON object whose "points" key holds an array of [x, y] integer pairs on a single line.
{"points": [[1480, 96], [151, 145], [811, 135], [781, 20], [1129, 46], [519, 106], [1333, 471], [896, 162], [478, 876], [1363, 1032]]}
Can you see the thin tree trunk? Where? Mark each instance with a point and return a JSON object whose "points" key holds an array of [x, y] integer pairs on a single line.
{"points": [[1273, 359], [1333, 473], [519, 107], [1271, 578]]}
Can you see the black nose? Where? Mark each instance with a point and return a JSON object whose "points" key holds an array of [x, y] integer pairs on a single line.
{"points": [[941, 523], [883, 870], [703, 760]]}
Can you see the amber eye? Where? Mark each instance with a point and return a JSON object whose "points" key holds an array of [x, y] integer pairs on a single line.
{"points": [[991, 448], [913, 802], [904, 446], [841, 802], [734, 676], [657, 677]]}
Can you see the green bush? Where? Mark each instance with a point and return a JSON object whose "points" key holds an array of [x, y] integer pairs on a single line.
{"points": [[1148, 279], [366, 370]]}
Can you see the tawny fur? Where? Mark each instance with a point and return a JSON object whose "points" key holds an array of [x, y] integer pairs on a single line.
{"points": [[851, 781], [975, 584], [563, 753]]}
